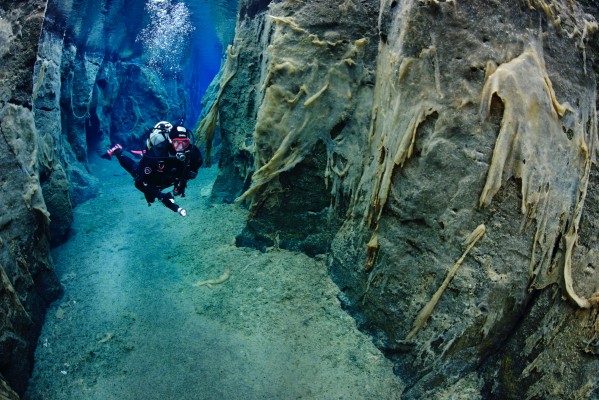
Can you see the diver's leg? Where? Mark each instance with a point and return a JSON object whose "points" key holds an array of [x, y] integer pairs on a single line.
{"points": [[128, 164], [151, 192]]}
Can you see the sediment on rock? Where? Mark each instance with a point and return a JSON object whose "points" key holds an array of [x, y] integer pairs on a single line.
{"points": [[311, 70], [499, 130]]}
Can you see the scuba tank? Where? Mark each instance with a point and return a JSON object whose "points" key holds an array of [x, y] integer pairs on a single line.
{"points": [[158, 142]]}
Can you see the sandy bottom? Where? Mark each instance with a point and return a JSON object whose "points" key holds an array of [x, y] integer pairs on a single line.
{"points": [[132, 325]]}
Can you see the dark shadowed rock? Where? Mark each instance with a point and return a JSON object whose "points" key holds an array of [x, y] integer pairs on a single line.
{"points": [[27, 280]]}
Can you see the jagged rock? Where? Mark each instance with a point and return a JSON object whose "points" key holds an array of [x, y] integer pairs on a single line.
{"points": [[28, 283], [477, 118], [6, 392], [27, 275], [309, 87], [57, 196], [104, 96], [51, 157], [16, 50], [238, 108], [63, 149], [80, 70]]}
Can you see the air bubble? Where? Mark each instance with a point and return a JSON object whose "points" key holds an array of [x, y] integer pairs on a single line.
{"points": [[166, 37]]}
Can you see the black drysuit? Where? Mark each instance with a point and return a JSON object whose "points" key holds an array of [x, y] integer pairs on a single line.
{"points": [[154, 173]]}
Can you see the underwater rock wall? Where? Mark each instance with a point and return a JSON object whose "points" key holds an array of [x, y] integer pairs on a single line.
{"points": [[481, 153], [312, 69], [448, 159], [235, 105], [57, 161], [129, 99], [27, 281]]}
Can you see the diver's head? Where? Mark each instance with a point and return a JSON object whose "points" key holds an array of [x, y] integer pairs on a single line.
{"points": [[180, 142]]}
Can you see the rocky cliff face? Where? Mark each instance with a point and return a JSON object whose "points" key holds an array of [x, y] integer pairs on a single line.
{"points": [[27, 281], [444, 157], [313, 70]]}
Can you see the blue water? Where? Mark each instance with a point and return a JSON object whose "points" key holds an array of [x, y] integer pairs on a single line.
{"points": [[204, 61], [115, 29], [181, 37]]}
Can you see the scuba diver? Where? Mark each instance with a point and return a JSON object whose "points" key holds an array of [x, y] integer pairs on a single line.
{"points": [[170, 159]]}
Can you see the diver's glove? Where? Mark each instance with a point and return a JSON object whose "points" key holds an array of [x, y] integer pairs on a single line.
{"points": [[179, 189]]}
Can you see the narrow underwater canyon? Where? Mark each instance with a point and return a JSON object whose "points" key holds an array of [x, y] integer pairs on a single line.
{"points": [[439, 157]]}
